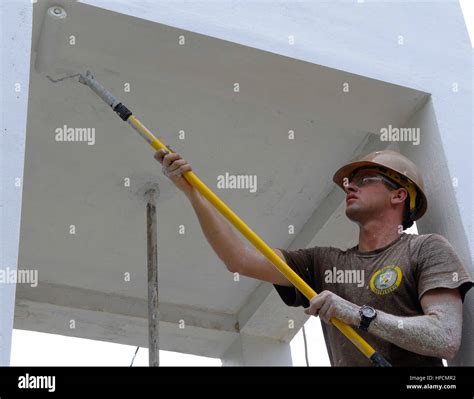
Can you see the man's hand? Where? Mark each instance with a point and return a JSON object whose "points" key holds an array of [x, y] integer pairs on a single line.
{"points": [[328, 305], [173, 167]]}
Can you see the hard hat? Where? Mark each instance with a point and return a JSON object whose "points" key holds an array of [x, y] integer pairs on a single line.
{"points": [[396, 167]]}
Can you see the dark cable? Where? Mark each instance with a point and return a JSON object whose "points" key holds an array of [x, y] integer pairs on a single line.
{"points": [[131, 364], [305, 347]]}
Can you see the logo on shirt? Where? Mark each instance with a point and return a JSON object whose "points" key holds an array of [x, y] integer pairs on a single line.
{"points": [[386, 280]]}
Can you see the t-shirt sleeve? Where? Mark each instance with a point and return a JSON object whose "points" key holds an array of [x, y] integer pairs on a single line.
{"points": [[440, 267], [302, 262]]}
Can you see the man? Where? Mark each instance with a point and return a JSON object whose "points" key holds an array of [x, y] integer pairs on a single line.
{"points": [[409, 305]]}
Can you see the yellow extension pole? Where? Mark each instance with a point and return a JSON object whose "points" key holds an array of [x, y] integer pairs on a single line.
{"points": [[238, 223], [248, 233]]}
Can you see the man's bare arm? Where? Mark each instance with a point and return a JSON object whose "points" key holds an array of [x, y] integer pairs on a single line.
{"points": [[437, 333]]}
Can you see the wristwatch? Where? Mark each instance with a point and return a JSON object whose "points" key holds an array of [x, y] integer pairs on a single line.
{"points": [[367, 314]]}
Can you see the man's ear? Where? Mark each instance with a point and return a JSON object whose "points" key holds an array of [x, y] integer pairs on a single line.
{"points": [[399, 196]]}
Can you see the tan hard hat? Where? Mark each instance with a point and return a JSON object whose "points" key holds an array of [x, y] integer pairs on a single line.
{"points": [[387, 162]]}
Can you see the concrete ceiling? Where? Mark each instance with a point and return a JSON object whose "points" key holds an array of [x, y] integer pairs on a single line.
{"points": [[175, 88]]}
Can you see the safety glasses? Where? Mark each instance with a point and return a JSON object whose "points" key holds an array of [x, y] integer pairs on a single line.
{"points": [[361, 180]]}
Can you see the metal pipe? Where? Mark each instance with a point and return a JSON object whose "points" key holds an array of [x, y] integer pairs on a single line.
{"points": [[152, 268]]}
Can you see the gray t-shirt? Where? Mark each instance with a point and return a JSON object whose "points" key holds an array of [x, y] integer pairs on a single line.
{"points": [[391, 279]]}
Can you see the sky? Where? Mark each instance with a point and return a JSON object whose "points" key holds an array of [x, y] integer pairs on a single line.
{"points": [[40, 349]]}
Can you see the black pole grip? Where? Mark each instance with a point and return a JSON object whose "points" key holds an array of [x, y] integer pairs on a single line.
{"points": [[379, 360], [122, 111]]}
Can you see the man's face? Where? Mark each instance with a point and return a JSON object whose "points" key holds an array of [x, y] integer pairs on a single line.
{"points": [[366, 196]]}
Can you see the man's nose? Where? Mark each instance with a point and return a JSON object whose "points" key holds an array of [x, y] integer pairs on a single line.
{"points": [[350, 188]]}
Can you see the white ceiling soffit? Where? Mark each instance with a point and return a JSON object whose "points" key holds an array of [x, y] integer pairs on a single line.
{"points": [[177, 87]]}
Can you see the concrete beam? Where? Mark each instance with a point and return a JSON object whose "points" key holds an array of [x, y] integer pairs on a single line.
{"points": [[120, 319], [265, 315]]}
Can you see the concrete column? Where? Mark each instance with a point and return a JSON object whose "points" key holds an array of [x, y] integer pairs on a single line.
{"points": [[248, 350], [449, 200], [14, 73]]}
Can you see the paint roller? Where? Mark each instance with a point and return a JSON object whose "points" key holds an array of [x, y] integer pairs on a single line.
{"points": [[52, 37]]}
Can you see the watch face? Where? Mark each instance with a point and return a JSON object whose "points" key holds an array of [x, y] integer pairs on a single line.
{"points": [[368, 312]]}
